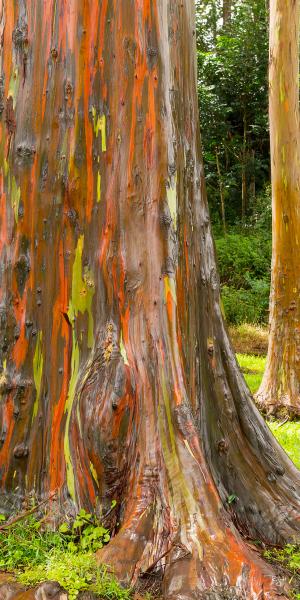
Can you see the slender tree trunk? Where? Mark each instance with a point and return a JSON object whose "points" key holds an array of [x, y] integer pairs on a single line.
{"points": [[221, 188], [118, 380], [280, 389], [252, 186], [227, 5], [244, 176]]}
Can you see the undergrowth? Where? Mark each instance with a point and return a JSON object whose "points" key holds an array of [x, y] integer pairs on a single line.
{"points": [[249, 338], [75, 573], [288, 557], [35, 553]]}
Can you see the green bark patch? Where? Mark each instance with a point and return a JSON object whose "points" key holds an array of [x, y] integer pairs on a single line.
{"points": [[38, 362]]}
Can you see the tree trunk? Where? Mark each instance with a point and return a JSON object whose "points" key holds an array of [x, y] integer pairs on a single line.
{"points": [[280, 389], [118, 380], [227, 5], [222, 195], [244, 175], [252, 186]]}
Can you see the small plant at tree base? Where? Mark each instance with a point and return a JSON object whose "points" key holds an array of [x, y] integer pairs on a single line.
{"points": [[231, 499], [75, 573], [25, 544], [85, 533], [66, 556], [289, 556]]}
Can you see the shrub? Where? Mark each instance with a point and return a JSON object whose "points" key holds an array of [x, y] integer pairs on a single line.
{"points": [[245, 306], [244, 265], [75, 573], [36, 555], [243, 258]]}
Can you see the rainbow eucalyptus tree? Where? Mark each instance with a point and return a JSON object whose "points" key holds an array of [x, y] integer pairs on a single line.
{"points": [[118, 381], [280, 389]]}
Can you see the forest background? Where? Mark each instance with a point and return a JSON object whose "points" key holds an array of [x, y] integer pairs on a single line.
{"points": [[233, 100]]}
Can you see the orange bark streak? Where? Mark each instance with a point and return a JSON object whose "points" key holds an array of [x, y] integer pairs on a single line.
{"points": [[8, 422]]}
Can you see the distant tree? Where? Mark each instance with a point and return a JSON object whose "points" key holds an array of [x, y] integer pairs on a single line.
{"points": [[227, 6], [280, 388]]}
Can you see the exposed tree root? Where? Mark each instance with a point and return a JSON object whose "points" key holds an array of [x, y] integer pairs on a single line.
{"points": [[217, 569], [281, 408], [200, 555]]}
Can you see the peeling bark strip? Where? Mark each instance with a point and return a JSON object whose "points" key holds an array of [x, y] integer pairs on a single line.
{"points": [[280, 389], [117, 377]]}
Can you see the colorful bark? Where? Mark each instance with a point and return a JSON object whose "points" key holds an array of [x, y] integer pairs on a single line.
{"points": [[118, 380], [280, 389]]}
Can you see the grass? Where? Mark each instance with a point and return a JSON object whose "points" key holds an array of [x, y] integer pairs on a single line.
{"points": [[253, 369], [289, 557], [249, 339], [35, 553], [75, 573], [287, 434]]}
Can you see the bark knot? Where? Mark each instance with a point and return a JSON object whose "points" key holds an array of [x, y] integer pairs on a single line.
{"points": [[21, 451], [223, 446]]}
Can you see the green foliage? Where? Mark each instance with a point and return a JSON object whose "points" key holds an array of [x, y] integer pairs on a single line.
{"points": [[75, 573], [243, 258], [289, 556], [260, 218], [85, 533], [244, 266], [36, 553], [24, 543], [242, 306], [233, 98]]}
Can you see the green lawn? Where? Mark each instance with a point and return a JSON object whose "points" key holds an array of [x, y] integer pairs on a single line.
{"points": [[253, 368], [287, 434]]}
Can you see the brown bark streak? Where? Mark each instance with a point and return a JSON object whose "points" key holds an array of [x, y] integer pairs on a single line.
{"points": [[121, 369]]}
